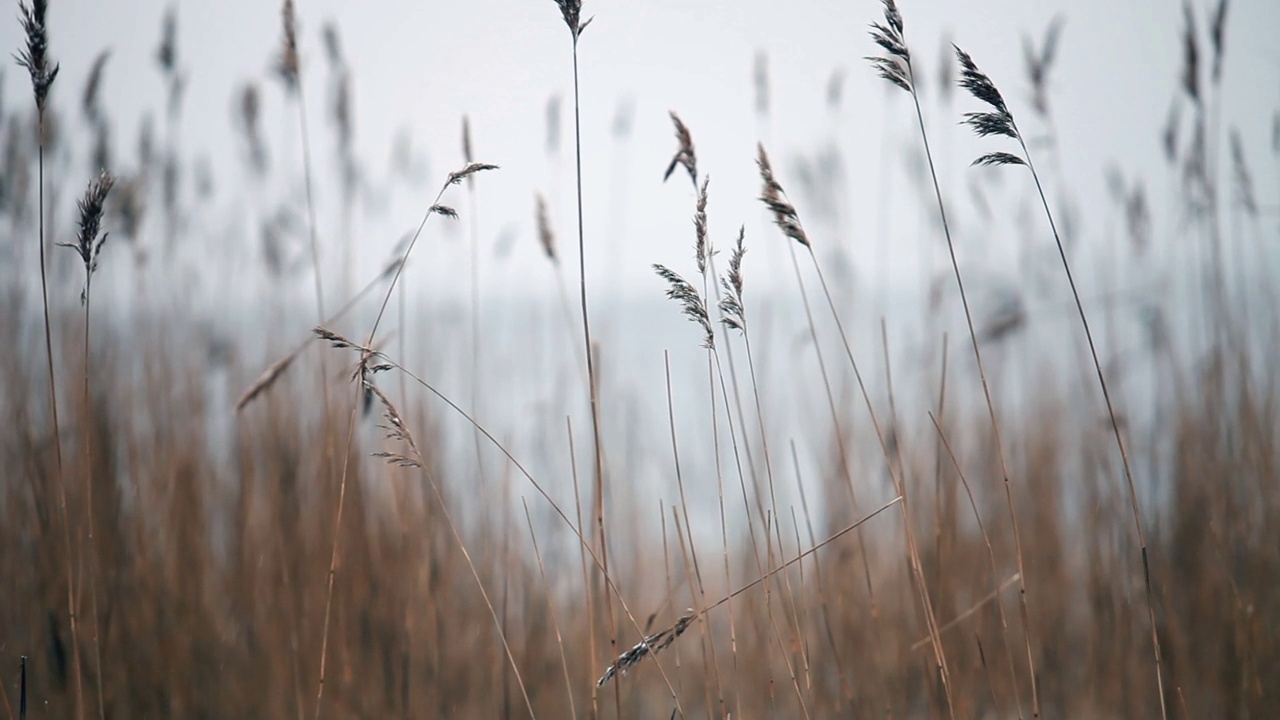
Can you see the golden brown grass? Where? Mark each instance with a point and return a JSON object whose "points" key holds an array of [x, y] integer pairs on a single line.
{"points": [[214, 558]]}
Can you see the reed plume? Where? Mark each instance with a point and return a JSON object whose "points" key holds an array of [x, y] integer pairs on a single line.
{"points": [[88, 246], [998, 120], [896, 67], [35, 58]]}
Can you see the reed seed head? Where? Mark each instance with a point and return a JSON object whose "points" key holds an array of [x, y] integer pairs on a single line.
{"points": [[691, 304], [702, 247], [1243, 178], [35, 56], [1217, 38], [1190, 55], [92, 87], [471, 168], [572, 12], [396, 431], [978, 84], [466, 145], [685, 154], [167, 52], [761, 82], [1039, 62], [546, 236], [997, 121], [732, 312], [650, 645], [773, 196], [895, 64], [88, 244], [287, 62]]}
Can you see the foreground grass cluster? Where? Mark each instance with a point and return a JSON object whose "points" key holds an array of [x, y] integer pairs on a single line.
{"points": [[186, 532]]}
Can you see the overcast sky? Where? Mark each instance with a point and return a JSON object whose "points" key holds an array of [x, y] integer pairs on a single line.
{"points": [[418, 67]]}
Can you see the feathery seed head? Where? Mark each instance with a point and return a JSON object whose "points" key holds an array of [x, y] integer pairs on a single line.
{"points": [[1190, 55], [701, 247], [1217, 37], [978, 84], [572, 12], [395, 429], [88, 244], [895, 66], [287, 63], [35, 57], [997, 121], [998, 158], [732, 312], [685, 155], [545, 235], [444, 210], [652, 644], [683, 292], [167, 53], [468, 170], [89, 100], [773, 196]]}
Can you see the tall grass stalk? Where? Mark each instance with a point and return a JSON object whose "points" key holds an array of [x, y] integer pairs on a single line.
{"points": [[369, 355], [788, 220], [571, 10], [436, 208], [700, 596], [551, 608], [88, 245], [895, 66], [999, 121], [289, 69], [35, 58]]}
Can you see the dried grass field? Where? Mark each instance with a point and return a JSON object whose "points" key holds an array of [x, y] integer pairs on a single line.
{"points": [[278, 478]]}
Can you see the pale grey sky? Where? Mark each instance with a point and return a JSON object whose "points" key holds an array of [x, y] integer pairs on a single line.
{"points": [[423, 65]]}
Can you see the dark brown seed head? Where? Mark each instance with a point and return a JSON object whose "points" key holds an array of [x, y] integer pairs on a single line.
{"points": [[545, 235], [691, 304], [978, 84], [572, 12], [287, 63], [1190, 56], [773, 196], [701, 246], [685, 154], [88, 244], [167, 53], [89, 99], [35, 56]]}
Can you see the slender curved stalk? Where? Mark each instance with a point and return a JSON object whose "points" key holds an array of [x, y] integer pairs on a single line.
{"points": [[1115, 429], [895, 66]]}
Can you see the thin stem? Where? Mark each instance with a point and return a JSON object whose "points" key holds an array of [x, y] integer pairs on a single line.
{"points": [[582, 541], [57, 437], [311, 229], [895, 477], [1115, 426], [88, 477], [333, 555], [592, 387], [995, 429], [551, 608], [830, 539], [701, 596]]}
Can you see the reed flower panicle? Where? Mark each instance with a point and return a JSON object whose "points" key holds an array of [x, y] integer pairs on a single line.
{"points": [[773, 196], [89, 242], [651, 645], [35, 56], [691, 303]]}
